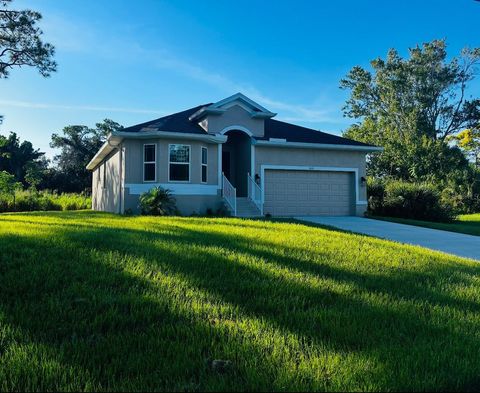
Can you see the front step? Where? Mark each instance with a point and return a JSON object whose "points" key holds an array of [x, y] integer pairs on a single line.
{"points": [[246, 208]]}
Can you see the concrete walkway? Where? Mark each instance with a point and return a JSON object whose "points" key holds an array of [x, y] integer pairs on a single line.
{"points": [[459, 244]]}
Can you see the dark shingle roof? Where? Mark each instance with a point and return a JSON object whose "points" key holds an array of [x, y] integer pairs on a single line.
{"points": [[179, 122], [176, 122], [294, 133]]}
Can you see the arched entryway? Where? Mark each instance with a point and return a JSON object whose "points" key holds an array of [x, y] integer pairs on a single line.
{"points": [[236, 159]]}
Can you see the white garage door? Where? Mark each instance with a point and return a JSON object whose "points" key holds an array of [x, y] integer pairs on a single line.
{"points": [[308, 193]]}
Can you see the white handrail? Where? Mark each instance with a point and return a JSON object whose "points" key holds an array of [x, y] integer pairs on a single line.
{"points": [[255, 193], [229, 193]]}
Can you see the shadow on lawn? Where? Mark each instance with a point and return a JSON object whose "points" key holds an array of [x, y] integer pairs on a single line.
{"points": [[125, 332]]}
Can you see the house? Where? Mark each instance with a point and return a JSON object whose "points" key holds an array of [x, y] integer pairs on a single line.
{"points": [[232, 152]]}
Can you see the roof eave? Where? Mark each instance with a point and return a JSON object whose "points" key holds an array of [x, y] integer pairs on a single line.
{"points": [[321, 146], [172, 134], [111, 144]]}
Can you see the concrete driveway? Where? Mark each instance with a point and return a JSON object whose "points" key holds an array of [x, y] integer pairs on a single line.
{"points": [[467, 246]]}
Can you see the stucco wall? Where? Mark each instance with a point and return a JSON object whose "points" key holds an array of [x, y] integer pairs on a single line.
{"points": [[314, 157], [186, 204], [134, 160], [202, 195], [235, 116], [106, 191]]}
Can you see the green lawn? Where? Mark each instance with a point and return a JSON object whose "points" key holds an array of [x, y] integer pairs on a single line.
{"points": [[468, 223], [92, 301]]}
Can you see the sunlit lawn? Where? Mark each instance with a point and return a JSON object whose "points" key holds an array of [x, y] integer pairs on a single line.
{"points": [[467, 223], [92, 301]]}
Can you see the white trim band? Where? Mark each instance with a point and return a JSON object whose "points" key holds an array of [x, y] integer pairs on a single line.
{"points": [[175, 188]]}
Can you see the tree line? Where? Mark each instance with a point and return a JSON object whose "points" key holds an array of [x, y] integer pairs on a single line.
{"points": [[29, 168], [421, 110]]}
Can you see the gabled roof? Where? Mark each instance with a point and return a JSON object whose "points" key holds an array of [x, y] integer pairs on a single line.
{"points": [[182, 122], [185, 124], [254, 109]]}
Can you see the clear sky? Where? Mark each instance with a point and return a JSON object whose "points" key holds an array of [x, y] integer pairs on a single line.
{"points": [[133, 61]]}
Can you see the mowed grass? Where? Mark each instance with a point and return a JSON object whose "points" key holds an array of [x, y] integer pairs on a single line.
{"points": [[92, 301], [467, 223]]}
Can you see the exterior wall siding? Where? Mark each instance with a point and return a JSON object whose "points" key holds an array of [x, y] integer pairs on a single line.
{"points": [[106, 184], [186, 204], [134, 160], [193, 197], [235, 116]]}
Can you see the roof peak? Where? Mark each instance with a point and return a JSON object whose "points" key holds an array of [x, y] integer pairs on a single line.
{"points": [[219, 107]]}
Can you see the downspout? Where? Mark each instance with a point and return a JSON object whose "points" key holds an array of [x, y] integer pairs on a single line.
{"points": [[120, 183]]}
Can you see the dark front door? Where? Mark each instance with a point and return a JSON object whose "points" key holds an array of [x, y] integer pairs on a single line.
{"points": [[226, 164]]}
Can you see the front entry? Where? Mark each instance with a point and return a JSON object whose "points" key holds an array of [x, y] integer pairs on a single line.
{"points": [[236, 156], [226, 165]]}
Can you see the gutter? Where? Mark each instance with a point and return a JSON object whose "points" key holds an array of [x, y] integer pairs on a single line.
{"points": [[168, 134], [320, 146], [116, 138]]}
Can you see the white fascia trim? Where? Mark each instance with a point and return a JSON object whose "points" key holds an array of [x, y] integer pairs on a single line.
{"points": [[321, 146], [175, 188], [239, 96], [208, 138], [263, 168]]}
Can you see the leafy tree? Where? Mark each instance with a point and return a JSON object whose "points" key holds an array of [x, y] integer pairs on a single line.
{"points": [[16, 158], [34, 175], [21, 42], [411, 107], [469, 141], [78, 145], [8, 185]]}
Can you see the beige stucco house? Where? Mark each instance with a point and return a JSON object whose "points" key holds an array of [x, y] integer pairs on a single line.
{"points": [[234, 153]]}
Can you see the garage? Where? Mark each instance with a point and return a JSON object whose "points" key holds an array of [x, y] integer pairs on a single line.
{"points": [[308, 192]]}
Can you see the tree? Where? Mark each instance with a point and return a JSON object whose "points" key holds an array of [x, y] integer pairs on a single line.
{"points": [[469, 141], [411, 107], [8, 185], [21, 42], [78, 145], [16, 158]]}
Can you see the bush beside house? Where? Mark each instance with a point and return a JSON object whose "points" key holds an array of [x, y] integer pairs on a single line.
{"points": [[396, 198]]}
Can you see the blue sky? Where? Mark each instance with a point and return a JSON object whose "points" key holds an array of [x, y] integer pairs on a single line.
{"points": [[135, 61]]}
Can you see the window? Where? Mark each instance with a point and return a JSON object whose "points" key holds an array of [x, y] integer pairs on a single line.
{"points": [[204, 164], [149, 162], [179, 163]]}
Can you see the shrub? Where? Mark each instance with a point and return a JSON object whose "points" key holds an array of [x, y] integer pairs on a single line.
{"points": [[32, 200], [158, 202], [420, 201]]}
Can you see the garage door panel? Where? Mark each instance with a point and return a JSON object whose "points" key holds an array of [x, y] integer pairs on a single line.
{"points": [[291, 192]]}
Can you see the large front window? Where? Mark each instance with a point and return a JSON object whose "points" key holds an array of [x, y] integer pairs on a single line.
{"points": [[179, 163]]}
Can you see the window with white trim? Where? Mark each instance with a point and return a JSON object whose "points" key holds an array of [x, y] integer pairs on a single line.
{"points": [[204, 164], [179, 163], [149, 162]]}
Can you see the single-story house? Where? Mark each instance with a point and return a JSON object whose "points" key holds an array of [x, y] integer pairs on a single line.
{"points": [[232, 153]]}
